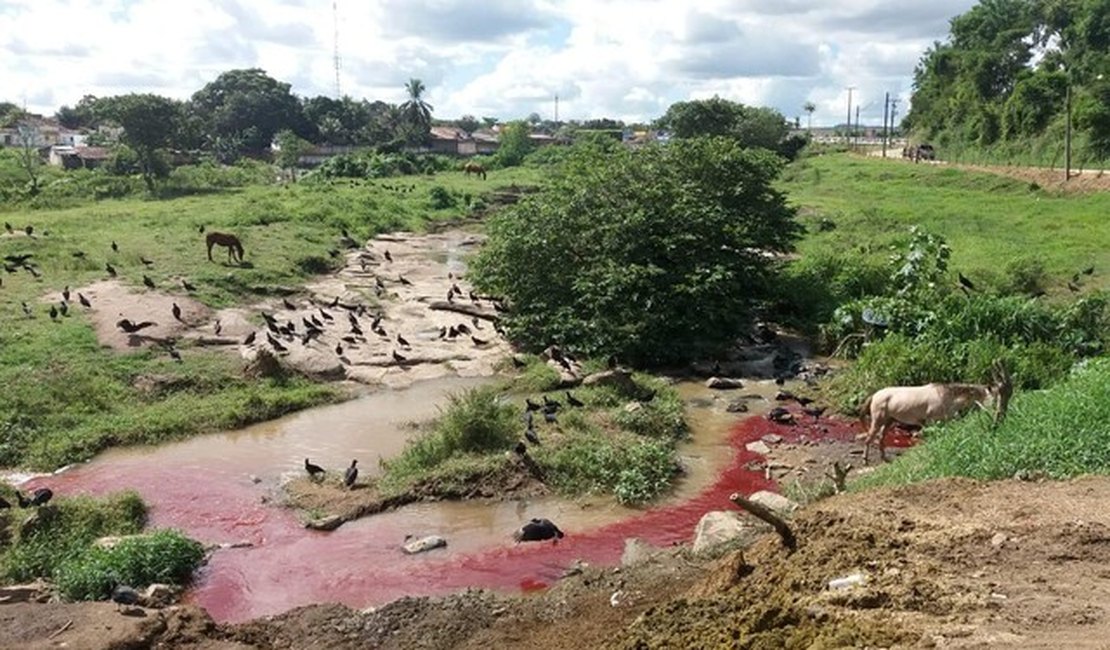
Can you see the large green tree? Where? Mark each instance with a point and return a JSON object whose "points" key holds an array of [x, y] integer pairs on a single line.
{"points": [[149, 124], [751, 126], [242, 111], [657, 255], [1004, 71], [417, 113]]}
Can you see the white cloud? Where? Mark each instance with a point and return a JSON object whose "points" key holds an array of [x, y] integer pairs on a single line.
{"points": [[625, 59]]}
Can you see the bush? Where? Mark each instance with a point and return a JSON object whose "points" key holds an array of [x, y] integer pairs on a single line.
{"points": [[441, 198], [66, 528], [657, 255], [635, 470], [477, 421], [164, 556]]}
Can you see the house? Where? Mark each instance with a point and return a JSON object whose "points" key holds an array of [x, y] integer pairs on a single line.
{"points": [[451, 141], [486, 141], [71, 157]]}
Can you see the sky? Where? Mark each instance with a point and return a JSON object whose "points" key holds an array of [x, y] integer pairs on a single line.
{"points": [[623, 59]]}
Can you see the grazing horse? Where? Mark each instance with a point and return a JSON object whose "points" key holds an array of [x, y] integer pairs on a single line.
{"points": [[231, 242], [921, 405], [476, 169]]}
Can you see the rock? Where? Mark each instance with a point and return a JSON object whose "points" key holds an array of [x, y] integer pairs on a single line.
{"points": [[772, 438], [330, 522], [758, 447], [719, 526], [617, 378], [567, 378], [159, 595], [737, 406], [723, 383], [998, 540], [632, 407], [29, 592], [255, 479], [424, 544], [780, 504], [847, 581], [636, 551]]}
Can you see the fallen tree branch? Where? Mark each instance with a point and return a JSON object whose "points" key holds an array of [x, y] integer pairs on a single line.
{"points": [[464, 308], [767, 515], [61, 629]]}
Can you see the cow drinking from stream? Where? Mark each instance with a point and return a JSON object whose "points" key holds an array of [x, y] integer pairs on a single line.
{"points": [[922, 405]]}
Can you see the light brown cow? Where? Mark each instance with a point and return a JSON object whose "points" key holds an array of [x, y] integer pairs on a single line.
{"points": [[922, 405]]}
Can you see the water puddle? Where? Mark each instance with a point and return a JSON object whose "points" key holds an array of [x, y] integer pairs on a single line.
{"points": [[204, 486]]}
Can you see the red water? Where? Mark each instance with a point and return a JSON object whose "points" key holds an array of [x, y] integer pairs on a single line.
{"points": [[360, 563]]}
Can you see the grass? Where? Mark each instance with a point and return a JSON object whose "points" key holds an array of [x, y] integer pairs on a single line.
{"points": [[603, 447], [1057, 433], [59, 547], [989, 221], [66, 398]]}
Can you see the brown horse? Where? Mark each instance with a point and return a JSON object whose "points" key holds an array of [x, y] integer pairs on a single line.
{"points": [[231, 242], [474, 168]]}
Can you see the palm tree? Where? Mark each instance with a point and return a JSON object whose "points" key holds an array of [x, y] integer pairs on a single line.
{"points": [[416, 112], [809, 107]]}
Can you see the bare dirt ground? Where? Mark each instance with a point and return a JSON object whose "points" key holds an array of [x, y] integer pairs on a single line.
{"points": [[1081, 180], [945, 564], [409, 291]]}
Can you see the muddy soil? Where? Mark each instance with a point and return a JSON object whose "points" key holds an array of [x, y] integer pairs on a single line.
{"points": [[408, 289], [952, 563]]}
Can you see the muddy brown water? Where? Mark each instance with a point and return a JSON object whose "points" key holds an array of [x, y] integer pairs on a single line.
{"points": [[218, 489]]}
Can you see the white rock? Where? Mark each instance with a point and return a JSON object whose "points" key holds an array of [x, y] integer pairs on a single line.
{"points": [[780, 504], [720, 526], [758, 447], [723, 383], [424, 544], [998, 540], [636, 551], [772, 438]]}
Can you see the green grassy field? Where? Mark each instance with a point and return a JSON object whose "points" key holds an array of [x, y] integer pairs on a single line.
{"points": [[65, 398], [991, 223]]}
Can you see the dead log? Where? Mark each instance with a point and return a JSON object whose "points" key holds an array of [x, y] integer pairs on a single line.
{"points": [[469, 309], [766, 514]]}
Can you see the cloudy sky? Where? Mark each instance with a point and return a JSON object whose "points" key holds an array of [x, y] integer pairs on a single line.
{"points": [[626, 59]]}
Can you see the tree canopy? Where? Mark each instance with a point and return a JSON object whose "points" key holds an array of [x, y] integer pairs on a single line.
{"points": [[417, 113], [750, 126], [1003, 73], [149, 124], [248, 107], [656, 255]]}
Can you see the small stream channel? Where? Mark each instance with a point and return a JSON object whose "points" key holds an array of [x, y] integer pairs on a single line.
{"points": [[204, 486]]}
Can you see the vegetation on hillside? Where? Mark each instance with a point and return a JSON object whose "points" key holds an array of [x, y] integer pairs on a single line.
{"points": [[56, 542], [656, 255], [1001, 81]]}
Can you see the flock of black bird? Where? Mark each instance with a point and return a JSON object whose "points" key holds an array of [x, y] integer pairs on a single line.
{"points": [[279, 335]]}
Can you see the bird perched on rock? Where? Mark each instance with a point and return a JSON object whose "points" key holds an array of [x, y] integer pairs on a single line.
{"points": [[250, 338], [83, 300], [288, 305], [478, 342], [275, 344], [39, 497], [780, 415], [123, 595], [398, 358], [148, 282], [131, 327], [351, 475], [313, 469], [538, 530], [403, 280], [388, 256], [403, 342], [176, 312]]}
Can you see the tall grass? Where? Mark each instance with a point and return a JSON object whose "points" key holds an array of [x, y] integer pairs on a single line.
{"points": [[164, 556], [1059, 433]]}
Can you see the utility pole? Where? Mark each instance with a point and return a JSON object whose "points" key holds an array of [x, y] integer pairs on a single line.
{"points": [[855, 131], [893, 111], [335, 43], [886, 112], [848, 134], [556, 108], [1067, 129]]}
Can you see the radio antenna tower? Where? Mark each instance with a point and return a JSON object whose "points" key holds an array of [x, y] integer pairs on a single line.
{"points": [[335, 41]]}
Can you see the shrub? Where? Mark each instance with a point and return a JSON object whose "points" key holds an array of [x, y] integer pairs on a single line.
{"points": [[656, 255], [164, 556], [441, 198], [635, 470]]}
